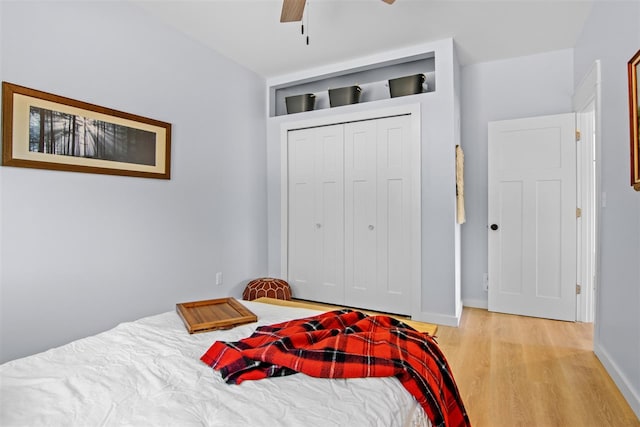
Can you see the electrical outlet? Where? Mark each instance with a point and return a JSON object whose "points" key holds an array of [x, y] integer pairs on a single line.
{"points": [[219, 278], [485, 282]]}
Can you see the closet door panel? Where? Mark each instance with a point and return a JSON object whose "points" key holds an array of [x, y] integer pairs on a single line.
{"points": [[316, 226], [377, 221], [394, 213], [302, 236], [361, 234], [329, 220]]}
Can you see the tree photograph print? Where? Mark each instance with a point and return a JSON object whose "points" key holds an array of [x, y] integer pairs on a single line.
{"points": [[55, 132]]}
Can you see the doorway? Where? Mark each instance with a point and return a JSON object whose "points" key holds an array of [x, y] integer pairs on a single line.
{"points": [[586, 104]]}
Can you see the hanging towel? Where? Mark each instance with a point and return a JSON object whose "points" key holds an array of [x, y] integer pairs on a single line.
{"points": [[460, 214]]}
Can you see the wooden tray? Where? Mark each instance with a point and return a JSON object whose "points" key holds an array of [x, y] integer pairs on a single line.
{"points": [[209, 315]]}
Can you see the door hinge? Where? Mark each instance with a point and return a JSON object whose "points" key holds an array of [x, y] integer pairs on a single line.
{"points": [[578, 289], [578, 135], [578, 213]]}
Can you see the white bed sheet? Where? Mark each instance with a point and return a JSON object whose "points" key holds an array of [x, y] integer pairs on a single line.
{"points": [[149, 372]]}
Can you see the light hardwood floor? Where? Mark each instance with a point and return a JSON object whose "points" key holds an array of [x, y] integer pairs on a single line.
{"points": [[522, 371]]}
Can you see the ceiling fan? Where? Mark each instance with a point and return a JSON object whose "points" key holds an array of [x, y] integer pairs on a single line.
{"points": [[292, 9]]}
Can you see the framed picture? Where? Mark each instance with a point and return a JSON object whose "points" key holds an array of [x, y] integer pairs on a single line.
{"points": [[45, 131], [634, 118]]}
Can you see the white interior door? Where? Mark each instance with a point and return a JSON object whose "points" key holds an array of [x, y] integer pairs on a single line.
{"points": [[316, 208], [532, 217], [378, 203]]}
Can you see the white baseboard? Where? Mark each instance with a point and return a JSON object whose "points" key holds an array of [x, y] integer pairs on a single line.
{"points": [[475, 303], [624, 385], [438, 319]]}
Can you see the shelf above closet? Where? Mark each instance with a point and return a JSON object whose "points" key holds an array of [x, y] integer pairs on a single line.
{"points": [[373, 80]]}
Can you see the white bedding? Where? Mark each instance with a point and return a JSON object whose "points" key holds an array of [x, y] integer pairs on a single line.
{"points": [[149, 372]]}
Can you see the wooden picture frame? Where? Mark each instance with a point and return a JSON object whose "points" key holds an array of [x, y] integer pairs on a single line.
{"points": [[45, 131], [633, 68]]}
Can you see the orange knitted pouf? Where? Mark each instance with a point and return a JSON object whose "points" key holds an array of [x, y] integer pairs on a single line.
{"points": [[267, 287]]}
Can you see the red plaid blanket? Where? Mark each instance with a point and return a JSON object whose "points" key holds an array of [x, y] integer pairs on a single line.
{"points": [[346, 344]]}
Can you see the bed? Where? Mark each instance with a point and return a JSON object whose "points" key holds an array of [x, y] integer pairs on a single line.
{"points": [[149, 372]]}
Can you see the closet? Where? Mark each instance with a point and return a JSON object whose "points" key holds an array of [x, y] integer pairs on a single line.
{"points": [[351, 202], [321, 200]]}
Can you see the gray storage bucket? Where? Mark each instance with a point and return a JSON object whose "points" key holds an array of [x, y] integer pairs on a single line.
{"points": [[300, 103], [344, 96], [409, 85]]}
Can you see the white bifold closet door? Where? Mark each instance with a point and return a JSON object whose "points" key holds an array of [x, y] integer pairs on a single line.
{"points": [[377, 215], [316, 213], [349, 214]]}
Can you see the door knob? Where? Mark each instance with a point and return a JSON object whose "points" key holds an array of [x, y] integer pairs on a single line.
{"points": [[318, 225], [371, 227], [494, 227]]}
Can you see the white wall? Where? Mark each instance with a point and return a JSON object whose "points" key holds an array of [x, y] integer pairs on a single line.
{"points": [[81, 252], [612, 35], [499, 90]]}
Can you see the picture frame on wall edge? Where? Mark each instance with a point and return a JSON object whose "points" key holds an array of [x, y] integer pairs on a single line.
{"points": [[633, 68], [46, 131]]}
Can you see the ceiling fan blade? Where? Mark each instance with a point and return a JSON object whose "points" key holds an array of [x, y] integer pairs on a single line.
{"points": [[292, 10], [388, 1]]}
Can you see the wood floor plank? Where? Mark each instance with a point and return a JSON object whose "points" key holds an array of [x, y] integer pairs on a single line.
{"points": [[523, 371]]}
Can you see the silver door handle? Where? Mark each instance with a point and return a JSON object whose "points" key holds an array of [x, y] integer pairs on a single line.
{"points": [[371, 227], [318, 225]]}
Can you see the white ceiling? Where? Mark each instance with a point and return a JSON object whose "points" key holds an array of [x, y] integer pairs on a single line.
{"points": [[249, 31]]}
